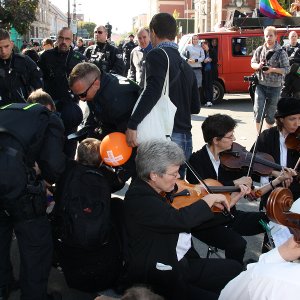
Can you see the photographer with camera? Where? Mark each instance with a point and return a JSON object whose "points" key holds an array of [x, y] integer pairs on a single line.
{"points": [[271, 63]]}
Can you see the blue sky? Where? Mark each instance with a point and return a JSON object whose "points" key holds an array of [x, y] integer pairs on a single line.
{"points": [[119, 13]]}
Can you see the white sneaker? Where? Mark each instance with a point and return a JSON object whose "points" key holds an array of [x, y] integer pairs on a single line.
{"points": [[208, 104]]}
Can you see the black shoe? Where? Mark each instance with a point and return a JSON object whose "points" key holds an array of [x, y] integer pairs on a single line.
{"points": [[54, 296]]}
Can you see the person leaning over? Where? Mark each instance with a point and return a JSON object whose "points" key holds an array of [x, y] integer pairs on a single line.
{"points": [[271, 64], [161, 252], [42, 136], [110, 99]]}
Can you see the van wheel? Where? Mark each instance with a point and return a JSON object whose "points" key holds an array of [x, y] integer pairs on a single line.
{"points": [[218, 91]]}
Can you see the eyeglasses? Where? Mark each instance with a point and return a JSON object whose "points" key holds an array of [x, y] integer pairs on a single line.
{"points": [[83, 95], [62, 38], [231, 137], [175, 175], [98, 31]]}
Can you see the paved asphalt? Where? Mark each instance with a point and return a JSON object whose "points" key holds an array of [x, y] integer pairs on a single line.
{"points": [[239, 107]]}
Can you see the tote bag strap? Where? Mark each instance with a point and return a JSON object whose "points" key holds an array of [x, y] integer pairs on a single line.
{"points": [[165, 90]]}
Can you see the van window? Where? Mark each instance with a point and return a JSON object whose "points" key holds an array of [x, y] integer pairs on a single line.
{"points": [[245, 46]]}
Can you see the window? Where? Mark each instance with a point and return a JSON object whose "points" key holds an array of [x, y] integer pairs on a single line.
{"points": [[245, 46]]}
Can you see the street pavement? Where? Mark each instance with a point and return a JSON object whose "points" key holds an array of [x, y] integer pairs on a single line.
{"points": [[237, 106]]}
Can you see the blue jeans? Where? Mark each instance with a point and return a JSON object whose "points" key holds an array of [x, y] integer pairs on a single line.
{"points": [[263, 92], [184, 140]]}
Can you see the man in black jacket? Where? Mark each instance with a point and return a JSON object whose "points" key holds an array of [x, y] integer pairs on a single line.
{"points": [[110, 98], [183, 84], [104, 55], [19, 75], [127, 48], [56, 65]]}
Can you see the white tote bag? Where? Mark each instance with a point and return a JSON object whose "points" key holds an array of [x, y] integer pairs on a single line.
{"points": [[159, 123]]}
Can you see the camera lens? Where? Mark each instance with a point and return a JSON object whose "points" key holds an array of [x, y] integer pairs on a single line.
{"points": [[265, 68]]}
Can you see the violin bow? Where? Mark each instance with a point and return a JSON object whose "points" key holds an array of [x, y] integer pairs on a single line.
{"points": [[226, 212], [255, 144]]}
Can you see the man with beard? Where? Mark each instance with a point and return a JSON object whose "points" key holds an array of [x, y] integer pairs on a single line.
{"points": [[56, 65], [104, 55]]}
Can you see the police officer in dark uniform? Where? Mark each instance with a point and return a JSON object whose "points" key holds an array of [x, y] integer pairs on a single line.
{"points": [[56, 65], [24, 211], [127, 48], [110, 99], [19, 75], [104, 55]]}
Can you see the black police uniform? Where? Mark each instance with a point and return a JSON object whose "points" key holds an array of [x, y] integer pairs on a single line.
{"points": [[56, 67], [127, 48], [106, 57], [19, 75], [111, 109], [43, 136]]}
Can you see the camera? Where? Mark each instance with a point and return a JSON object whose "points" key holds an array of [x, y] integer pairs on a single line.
{"points": [[250, 78], [265, 68]]}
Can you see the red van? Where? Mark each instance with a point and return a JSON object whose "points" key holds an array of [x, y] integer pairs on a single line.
{"points": [[233, 67]]}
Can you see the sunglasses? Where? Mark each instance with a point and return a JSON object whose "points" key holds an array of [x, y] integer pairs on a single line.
{"points": [[83, 95], [98, 31]]}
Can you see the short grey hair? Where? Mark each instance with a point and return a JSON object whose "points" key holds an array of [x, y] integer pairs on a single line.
{"points": [[156, 156], [84, 70]]}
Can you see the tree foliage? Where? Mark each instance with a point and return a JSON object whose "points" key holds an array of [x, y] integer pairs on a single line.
{"points": [[89, 26], [18, 14]]}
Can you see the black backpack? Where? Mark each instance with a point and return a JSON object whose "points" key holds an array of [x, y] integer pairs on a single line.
{"points": [[80, 218], [22, 129]]}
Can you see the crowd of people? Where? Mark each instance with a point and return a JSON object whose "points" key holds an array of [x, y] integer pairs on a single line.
{"points": [[102, 242]]}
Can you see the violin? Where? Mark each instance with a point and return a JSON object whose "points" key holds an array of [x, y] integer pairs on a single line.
{"points": [[186, 193], [238, 157], [277, 208], [292, 141]]}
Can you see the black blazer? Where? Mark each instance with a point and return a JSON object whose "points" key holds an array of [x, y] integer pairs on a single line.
{"points": [[153, 228]]}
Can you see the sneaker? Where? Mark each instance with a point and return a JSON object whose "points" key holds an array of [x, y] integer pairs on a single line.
{"points": [[209, 103]]}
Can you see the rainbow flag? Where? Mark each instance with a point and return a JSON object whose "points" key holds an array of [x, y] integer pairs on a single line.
{"points": [[272, 9]]}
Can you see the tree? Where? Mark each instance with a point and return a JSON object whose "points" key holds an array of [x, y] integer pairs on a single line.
{"points": [[89, 26], [18, 14]]}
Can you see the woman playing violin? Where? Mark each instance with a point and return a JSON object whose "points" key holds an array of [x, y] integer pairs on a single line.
{"points": [[272, 141], [160, 252], [218, 133]]}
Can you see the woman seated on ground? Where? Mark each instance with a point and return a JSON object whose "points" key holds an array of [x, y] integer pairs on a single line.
{"points": [[160, 252]]}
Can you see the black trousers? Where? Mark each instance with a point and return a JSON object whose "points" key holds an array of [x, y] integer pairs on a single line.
{"points": [[195, 279], [229, 237], [35, 246]]}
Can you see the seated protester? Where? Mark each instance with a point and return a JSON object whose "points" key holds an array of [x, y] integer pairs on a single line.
{"points": [[272, 141], [224, 232], [86, 238], [161, 252], [276, 275], [291, 85]]}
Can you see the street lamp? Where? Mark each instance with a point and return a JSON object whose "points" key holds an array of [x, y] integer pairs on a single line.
{"points": [[69, 14]]}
